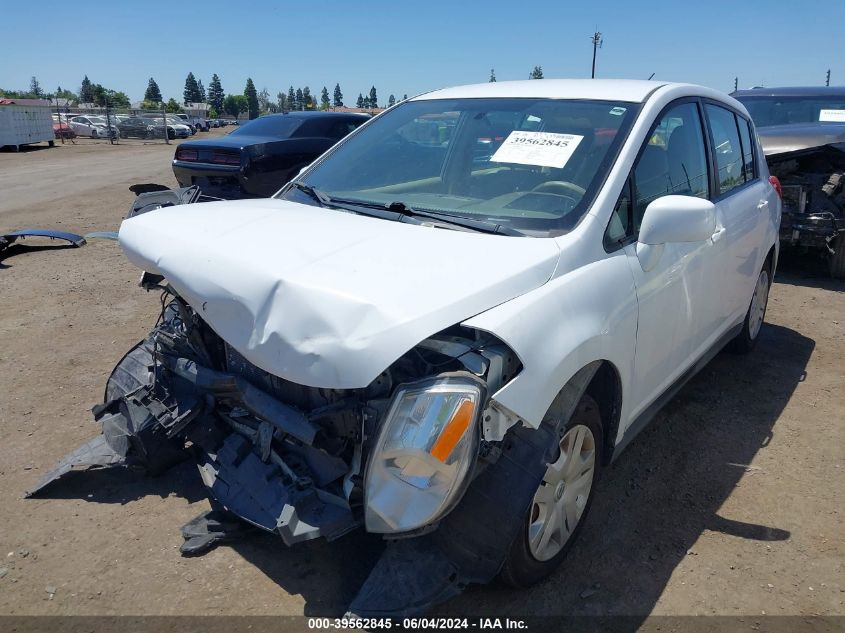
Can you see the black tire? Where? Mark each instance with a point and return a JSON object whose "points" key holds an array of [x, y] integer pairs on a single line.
{"points": [[746, 340], [93, 133], [836, 262], [522, 568]]}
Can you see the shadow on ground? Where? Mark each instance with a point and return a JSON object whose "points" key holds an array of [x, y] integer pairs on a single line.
{"points": [[806, 269], [19, 249]]}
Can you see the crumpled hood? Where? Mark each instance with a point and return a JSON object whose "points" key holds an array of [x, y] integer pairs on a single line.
{"points": [[325, 298], [779, 139]]}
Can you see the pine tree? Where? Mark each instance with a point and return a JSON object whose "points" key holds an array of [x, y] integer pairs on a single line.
{"points": [[391, 101], [338, 96], [251, 98], [35, 88], [281, 101], [324, 99], [201, 91], [86, 91], [307, 99], [300, 99], [216, 96], [360, 102], [492, 75], [292, 99], [537, 73], [191, 94], [373, 98], [153, 93], [404, 97]]}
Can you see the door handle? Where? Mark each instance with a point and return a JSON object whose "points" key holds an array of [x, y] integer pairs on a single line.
{"points": [[718, 234], [762, 205]]}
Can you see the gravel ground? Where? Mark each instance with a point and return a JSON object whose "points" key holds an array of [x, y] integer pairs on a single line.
{"points": [[729, 503]]}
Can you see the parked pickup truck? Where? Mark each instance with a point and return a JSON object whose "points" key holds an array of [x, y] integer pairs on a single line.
{"points": [[197, 124]]}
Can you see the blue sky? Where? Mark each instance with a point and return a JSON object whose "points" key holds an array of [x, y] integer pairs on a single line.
{"points": [[411, 47]]}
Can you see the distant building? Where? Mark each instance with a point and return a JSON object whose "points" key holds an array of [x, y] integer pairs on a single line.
{"points": [[197, 109]]}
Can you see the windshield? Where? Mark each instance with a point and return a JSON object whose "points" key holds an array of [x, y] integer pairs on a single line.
{"points": [[533, 165], [280, 125], [766, 111]]}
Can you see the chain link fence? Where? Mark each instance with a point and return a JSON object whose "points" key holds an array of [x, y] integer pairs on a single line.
{"points": [[122, 125]]}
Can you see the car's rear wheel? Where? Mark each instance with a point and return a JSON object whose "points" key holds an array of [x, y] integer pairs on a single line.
{"points": [[561, 501], [93, 133], [745, 341], [836, 261]]}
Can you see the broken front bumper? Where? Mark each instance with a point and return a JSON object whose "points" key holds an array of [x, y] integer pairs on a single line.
{"points": [[290, 460]]}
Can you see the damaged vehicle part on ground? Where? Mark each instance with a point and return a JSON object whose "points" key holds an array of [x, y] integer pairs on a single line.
{"points": [[7, 239], [447, 325], [802, 131]]}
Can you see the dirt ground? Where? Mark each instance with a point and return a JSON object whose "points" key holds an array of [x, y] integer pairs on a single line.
{"points": [[731, 502]]}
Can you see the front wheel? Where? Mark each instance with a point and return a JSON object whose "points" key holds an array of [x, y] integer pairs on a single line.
{"points": [[747, 337], [561, 501]]}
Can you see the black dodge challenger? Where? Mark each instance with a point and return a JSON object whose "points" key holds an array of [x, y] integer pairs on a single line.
{"points": [[257, 158]]}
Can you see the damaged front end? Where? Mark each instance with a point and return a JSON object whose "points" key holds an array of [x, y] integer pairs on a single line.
{"points": [[813, 185], [420, 452]]}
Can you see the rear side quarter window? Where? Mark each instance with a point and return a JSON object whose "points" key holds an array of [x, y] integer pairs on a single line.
{"points": [[749, 158]]}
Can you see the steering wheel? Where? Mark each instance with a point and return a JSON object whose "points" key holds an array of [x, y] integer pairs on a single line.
{"points": [[560, 187]]}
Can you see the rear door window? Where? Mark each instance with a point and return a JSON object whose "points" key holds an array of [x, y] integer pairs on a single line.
{"points": [[727, 147]]}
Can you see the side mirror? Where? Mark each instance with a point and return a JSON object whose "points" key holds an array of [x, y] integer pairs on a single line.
{"points": [[673, 219]]}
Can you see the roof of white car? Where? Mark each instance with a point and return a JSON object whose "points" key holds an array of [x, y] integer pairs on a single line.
{"points": [[632, 90]]}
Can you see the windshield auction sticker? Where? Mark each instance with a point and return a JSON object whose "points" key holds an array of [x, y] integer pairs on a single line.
{"points": [[837, 116], [543, 149]]}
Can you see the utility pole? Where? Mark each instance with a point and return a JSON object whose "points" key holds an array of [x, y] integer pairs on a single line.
{"points": [[597, 42], [827, 81]]}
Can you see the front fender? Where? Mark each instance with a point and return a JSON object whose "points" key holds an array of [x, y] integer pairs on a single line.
{"points": [[581, 316]]}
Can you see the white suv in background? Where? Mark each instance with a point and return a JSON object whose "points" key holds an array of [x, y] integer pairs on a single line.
{"points": [[447, 325]]}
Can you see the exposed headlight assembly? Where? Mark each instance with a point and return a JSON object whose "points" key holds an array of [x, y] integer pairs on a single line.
{"points": [[427, 445]]}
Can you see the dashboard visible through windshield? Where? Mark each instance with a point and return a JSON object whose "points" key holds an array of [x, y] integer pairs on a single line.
{"points": [[533, 165]]}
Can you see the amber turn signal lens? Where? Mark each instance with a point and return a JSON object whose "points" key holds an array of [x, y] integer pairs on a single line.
{"points": [[453, 431]]}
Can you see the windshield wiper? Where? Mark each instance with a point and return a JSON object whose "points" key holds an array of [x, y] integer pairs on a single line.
{"points": [[321, 198], [484, 226], [401, 212]]}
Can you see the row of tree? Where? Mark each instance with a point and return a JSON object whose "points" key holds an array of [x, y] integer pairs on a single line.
{"points": [[537, 73], [251, 101], [89, 92]]}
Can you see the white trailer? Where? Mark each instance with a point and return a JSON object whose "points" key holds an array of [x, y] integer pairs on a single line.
{"points": [[25, 121]]}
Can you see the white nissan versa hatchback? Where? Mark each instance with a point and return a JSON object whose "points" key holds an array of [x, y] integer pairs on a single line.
{"points": [[445, 326]]}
